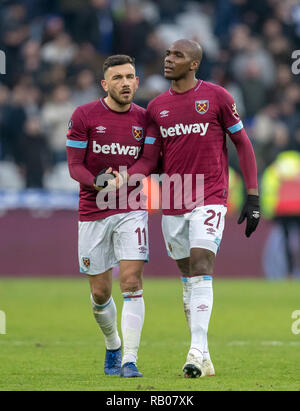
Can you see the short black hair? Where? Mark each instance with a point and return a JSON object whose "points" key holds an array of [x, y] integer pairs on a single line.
{"points": [[117, 60]]}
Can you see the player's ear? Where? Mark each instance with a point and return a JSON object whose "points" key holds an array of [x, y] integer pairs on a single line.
{"points": [[104, 85], [194, 65], [137, 79]]}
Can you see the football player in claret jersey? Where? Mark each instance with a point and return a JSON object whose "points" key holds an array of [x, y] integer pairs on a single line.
{"points": [[106, 134], [188, 125]]}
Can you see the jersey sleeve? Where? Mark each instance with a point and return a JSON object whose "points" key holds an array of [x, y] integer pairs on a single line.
{"points": [[229, 116], [77, 142], [148, 161], [233, 126]]}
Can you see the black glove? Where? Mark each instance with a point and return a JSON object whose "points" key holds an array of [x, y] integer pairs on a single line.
{"points": [[101, 180], [251, 211]]}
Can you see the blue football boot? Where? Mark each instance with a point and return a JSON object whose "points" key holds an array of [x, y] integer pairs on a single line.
{"points": [[113, 359], [129, 370]]}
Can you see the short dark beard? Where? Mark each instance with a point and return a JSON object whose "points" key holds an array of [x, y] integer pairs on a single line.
{"points": [[121, 103]]}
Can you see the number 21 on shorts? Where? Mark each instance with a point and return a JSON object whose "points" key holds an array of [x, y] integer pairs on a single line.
{"points": [[211, 221]]}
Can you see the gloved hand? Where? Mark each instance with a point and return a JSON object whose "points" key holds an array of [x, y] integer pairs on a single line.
{"points": [[251, 211]]}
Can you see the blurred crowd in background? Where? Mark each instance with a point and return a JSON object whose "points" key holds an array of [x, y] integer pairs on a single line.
{"points": [[55, 50]]}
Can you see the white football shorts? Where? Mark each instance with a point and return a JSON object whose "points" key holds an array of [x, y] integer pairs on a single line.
{"points": [[201, 228], [103, 243]]}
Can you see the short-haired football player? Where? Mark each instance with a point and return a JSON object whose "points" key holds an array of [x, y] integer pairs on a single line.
{"points": [[104, 135], [188, 125]]}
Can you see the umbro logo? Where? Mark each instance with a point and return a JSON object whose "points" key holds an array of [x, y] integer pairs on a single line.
{"points": [[256, 214], [100, 129], [202, 307], [164, 113]]}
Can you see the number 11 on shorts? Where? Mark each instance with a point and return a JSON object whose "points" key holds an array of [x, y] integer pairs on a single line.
{"points": [[141, 233]]}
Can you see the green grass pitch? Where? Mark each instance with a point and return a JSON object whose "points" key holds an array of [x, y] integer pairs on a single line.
{"points": [[52, 341]]}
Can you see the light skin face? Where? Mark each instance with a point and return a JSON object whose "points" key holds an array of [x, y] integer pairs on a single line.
{"points": [[120, 83]]}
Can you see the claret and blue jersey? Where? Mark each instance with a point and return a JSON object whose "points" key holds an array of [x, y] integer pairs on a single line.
{"points": [[190, 130], [98, 138]]}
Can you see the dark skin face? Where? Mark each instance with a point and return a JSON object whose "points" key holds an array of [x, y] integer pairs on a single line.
{"points": [[182, 60]]}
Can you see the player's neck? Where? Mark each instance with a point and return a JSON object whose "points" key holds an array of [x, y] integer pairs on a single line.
{"points": [[184, 84], [113, 105]]}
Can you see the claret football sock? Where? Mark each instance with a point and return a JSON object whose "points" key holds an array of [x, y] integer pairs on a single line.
{"points": [[132, 321], [198, 301], [106, 317]]}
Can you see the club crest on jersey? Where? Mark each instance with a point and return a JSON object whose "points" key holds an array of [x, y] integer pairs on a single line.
{"points": [[137, 132], [235, 112], [86, 262], [201, 106]]}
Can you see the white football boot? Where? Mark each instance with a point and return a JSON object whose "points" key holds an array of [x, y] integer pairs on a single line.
{"points": [[193, 367], [208, 368]]}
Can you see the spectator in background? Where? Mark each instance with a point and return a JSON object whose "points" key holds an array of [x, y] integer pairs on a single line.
{"points": [[247, 50], [85, 89], [4, 126], [227, 13], [167, 13], [95, 25], [15, 120], [56, 114], [31, 57], [283, 79], [85, 58], [132, 31], [253, 88], [13, 39], [33, 101], [53, 26], [71, 10], [52, 76], [37, 8], [36, 156], [252, 52], [221, 76], [151, 54], [61, 50]]}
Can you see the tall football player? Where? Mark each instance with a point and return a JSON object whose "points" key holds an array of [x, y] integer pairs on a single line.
{"points": [[188, 125], [106, 134]]}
